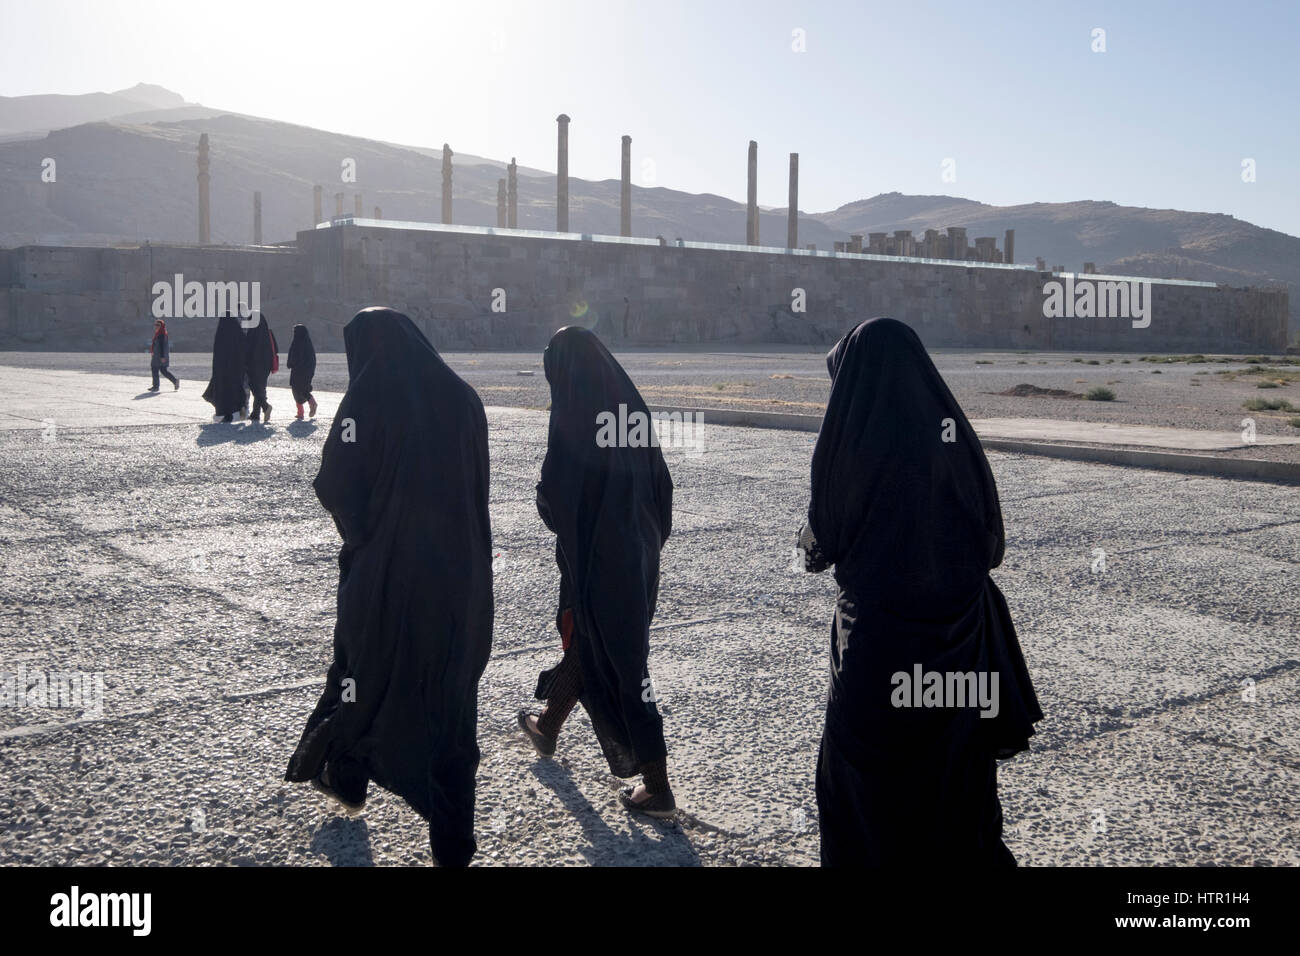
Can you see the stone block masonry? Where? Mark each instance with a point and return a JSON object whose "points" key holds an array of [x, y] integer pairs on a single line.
{"points": [[100, 299], [474, 287], [639, 292]]}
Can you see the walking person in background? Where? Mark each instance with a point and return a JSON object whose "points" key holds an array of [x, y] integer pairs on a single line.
{"points": [[261, 358], [611, 510], [225, 389], [243, 411], [905, 507], [160, 354], [406, 481], [302, 369]]}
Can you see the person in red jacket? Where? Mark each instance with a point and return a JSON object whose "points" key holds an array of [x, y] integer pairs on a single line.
{"points": [[160, 355]]}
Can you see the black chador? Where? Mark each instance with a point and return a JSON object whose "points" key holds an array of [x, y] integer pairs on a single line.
{"points": [[610, 509], [261, 358], [404, 473], [905, 507], [302, 368], [225, 391]]}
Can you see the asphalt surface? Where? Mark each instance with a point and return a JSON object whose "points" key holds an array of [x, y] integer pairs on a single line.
{"points": [[1204, 396]]}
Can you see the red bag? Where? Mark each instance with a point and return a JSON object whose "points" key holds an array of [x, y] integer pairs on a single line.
{"points": [[275, 353]]}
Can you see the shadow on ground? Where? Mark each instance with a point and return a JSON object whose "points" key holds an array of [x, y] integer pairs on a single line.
{"points": [[218, 433], [650, 843], [344, 842], [300, 429]]}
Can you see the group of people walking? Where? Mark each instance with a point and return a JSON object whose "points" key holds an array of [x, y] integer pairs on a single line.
{"points": [[908, 517], [244, 356]]}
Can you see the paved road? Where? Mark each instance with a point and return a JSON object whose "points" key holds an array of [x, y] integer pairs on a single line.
{"points": [[1203, 396], [190, 565], [47, 399]]}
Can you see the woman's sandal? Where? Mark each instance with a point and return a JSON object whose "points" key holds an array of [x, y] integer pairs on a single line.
{"points": [[661, 806], [322, 783], [543, 744]]}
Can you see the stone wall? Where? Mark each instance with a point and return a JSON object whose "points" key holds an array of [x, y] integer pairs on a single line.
{"points": [[57, 298], [651, 294], [448, 279]]}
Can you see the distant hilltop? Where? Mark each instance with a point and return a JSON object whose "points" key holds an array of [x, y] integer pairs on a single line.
{"points": [[126, 172], [41, 113]]}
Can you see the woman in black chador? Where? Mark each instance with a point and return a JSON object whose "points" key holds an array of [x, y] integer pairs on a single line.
{"points": [[611, 511], [302, 369], [904, 506], [225, 391], [404, 473], [261, 358]]}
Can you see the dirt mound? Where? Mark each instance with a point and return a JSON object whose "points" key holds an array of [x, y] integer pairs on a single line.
{"points": [[1033, 391]]}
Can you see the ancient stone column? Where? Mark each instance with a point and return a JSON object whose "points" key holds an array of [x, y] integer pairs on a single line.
{"points": [[751, 207], [792, 224], [1041, 263], [985, 246], [903, 240], [957, 242], [257, 218], [338, 205], [501, 203], [512, 194], [562, 175], [1009, 246], [855, 242], [316, 205], [356, 206], [1089, 268], [625, 194], [446, 184], [931, 250], [205, 209], [379, 213]]}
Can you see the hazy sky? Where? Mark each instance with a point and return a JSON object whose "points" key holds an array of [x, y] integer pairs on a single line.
{"points": [[882, 95]]}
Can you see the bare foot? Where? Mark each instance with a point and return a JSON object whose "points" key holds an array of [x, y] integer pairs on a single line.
{"points": [[639, 800], [639, 794]]}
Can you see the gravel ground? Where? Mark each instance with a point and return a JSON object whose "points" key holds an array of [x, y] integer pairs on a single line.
{"points": [[191, 565], [1181, 395]]}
